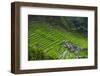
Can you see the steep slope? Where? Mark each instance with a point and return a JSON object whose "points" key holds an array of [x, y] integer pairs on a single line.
{"points": [[44, 42]]}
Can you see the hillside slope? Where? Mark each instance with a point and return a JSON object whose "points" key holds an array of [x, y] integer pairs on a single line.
{"points": [[44, 42]]}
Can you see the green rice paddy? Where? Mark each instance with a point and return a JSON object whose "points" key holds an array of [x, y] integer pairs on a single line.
{"points": [[44, 42]]}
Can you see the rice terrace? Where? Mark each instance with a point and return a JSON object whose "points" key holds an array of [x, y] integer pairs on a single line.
{"points": [[57, 37]]}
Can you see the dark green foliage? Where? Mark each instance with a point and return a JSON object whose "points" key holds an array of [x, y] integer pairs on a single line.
{"points": [[79, 24], [37, 54]]}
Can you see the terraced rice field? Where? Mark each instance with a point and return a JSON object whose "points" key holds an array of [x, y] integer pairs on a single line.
{"points": [[44, 42]]}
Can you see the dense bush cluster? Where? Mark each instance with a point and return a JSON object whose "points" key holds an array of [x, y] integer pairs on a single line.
{"points": [[79, 24]]}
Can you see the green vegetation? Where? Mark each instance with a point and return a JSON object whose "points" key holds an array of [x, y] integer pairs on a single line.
{"points": [[46, 34]]}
